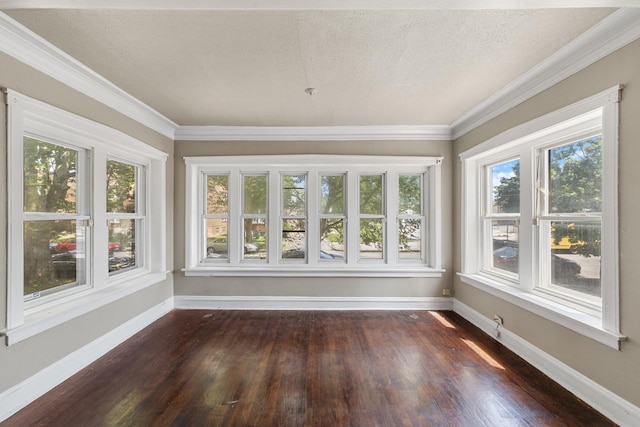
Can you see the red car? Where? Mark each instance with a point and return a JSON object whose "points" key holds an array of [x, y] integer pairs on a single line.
{"points": [[70, 245]]}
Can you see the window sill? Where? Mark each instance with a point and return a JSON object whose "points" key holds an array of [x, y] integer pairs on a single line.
{"points": [[325, 270], [46, 316], [574, 320]]}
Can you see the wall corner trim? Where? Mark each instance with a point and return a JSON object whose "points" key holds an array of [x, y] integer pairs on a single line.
{"points": [[603, 400], [26, 46], [19, 396], [612, 33]]}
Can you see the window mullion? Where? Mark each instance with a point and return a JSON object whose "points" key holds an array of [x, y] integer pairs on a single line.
{"points": [[391, 216], [274, 217], [234, 217], [100, 230], [313, 217], [353, 221]]}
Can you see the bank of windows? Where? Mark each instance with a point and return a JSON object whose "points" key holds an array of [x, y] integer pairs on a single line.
{"points": [[58, 238], [328, 232]]}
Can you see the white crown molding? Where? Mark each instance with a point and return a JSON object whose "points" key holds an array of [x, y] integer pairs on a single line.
{"points": [[603, 400], [313, 133], [19, 396], [311, 303], [310, 4], [612, 33], [26, 46]]}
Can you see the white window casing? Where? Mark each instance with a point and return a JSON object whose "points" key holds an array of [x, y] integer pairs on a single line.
{"points": [[313, 167], [595, 115], [33, 118]]}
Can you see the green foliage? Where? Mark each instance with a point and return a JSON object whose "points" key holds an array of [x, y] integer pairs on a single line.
{"points": [[121, 187], [49, 177], [507, 194]]}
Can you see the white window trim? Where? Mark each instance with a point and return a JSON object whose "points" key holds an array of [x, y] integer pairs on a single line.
{"points": [[35, 118], [314, 165], [571, 119]]}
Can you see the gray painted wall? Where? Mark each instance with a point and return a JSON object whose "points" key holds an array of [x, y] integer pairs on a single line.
{"points": [[351, 287], [22, 360], [617, 371]]}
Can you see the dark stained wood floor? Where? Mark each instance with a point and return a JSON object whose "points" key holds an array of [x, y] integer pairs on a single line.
{"points": [[302, 368]]}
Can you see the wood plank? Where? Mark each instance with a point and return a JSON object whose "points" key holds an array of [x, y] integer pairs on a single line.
{"points": [[306, 368]]}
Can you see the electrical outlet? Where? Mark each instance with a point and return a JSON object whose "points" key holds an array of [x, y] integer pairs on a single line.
{"points": [[446, 292], [498, 319]]}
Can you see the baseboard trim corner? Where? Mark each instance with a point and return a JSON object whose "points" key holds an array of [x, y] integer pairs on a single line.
{"points": [[22, 394], [603, 400]]}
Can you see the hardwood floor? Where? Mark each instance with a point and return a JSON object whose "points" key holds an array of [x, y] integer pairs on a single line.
{"points": [[302, 368]]}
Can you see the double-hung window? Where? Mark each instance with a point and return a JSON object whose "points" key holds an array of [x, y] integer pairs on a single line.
{"points": [[313, 216], [86, 214], [539, 217]]}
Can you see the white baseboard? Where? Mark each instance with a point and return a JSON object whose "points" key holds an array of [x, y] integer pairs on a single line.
{"points": [[19, 396], [609, 404], [312, 303]]}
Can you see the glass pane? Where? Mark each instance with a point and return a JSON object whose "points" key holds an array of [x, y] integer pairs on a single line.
{"points": [[49, 177], [332, 239], [332, 194], [410, 194], [122, 244], [371, 238], [294, 239], [371, 195], [575, 256], [54, 256], [575, 177], [255, 239], [410, 239], [217, 245], [121, 187], [505, 234], [293, 195], [255, 194], [505, 187], [217, 194]]}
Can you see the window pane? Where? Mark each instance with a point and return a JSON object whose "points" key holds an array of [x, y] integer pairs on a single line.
{"points": [[217, 194], [332, 239], [505, 185], [293, 195], [410, 194], [575, 177], [122, 244], [49, 177], [54, 256], [410, 239], [293, 238], [505, 234], [371, 238], [217, 244], [371, 195], [255, 239], [575, 256], [121, 187], [332, 194], [255, 194]]}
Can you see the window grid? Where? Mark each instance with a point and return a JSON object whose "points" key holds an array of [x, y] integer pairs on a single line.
{"points": [[318, 252]]}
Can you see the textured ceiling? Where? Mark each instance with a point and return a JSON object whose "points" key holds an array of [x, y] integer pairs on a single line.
{"points": [[370, 67]]}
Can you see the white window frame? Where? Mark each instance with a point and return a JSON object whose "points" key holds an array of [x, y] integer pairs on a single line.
{"points": [[139, 217], [27, 116], [315, 167], [599, 112]]}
